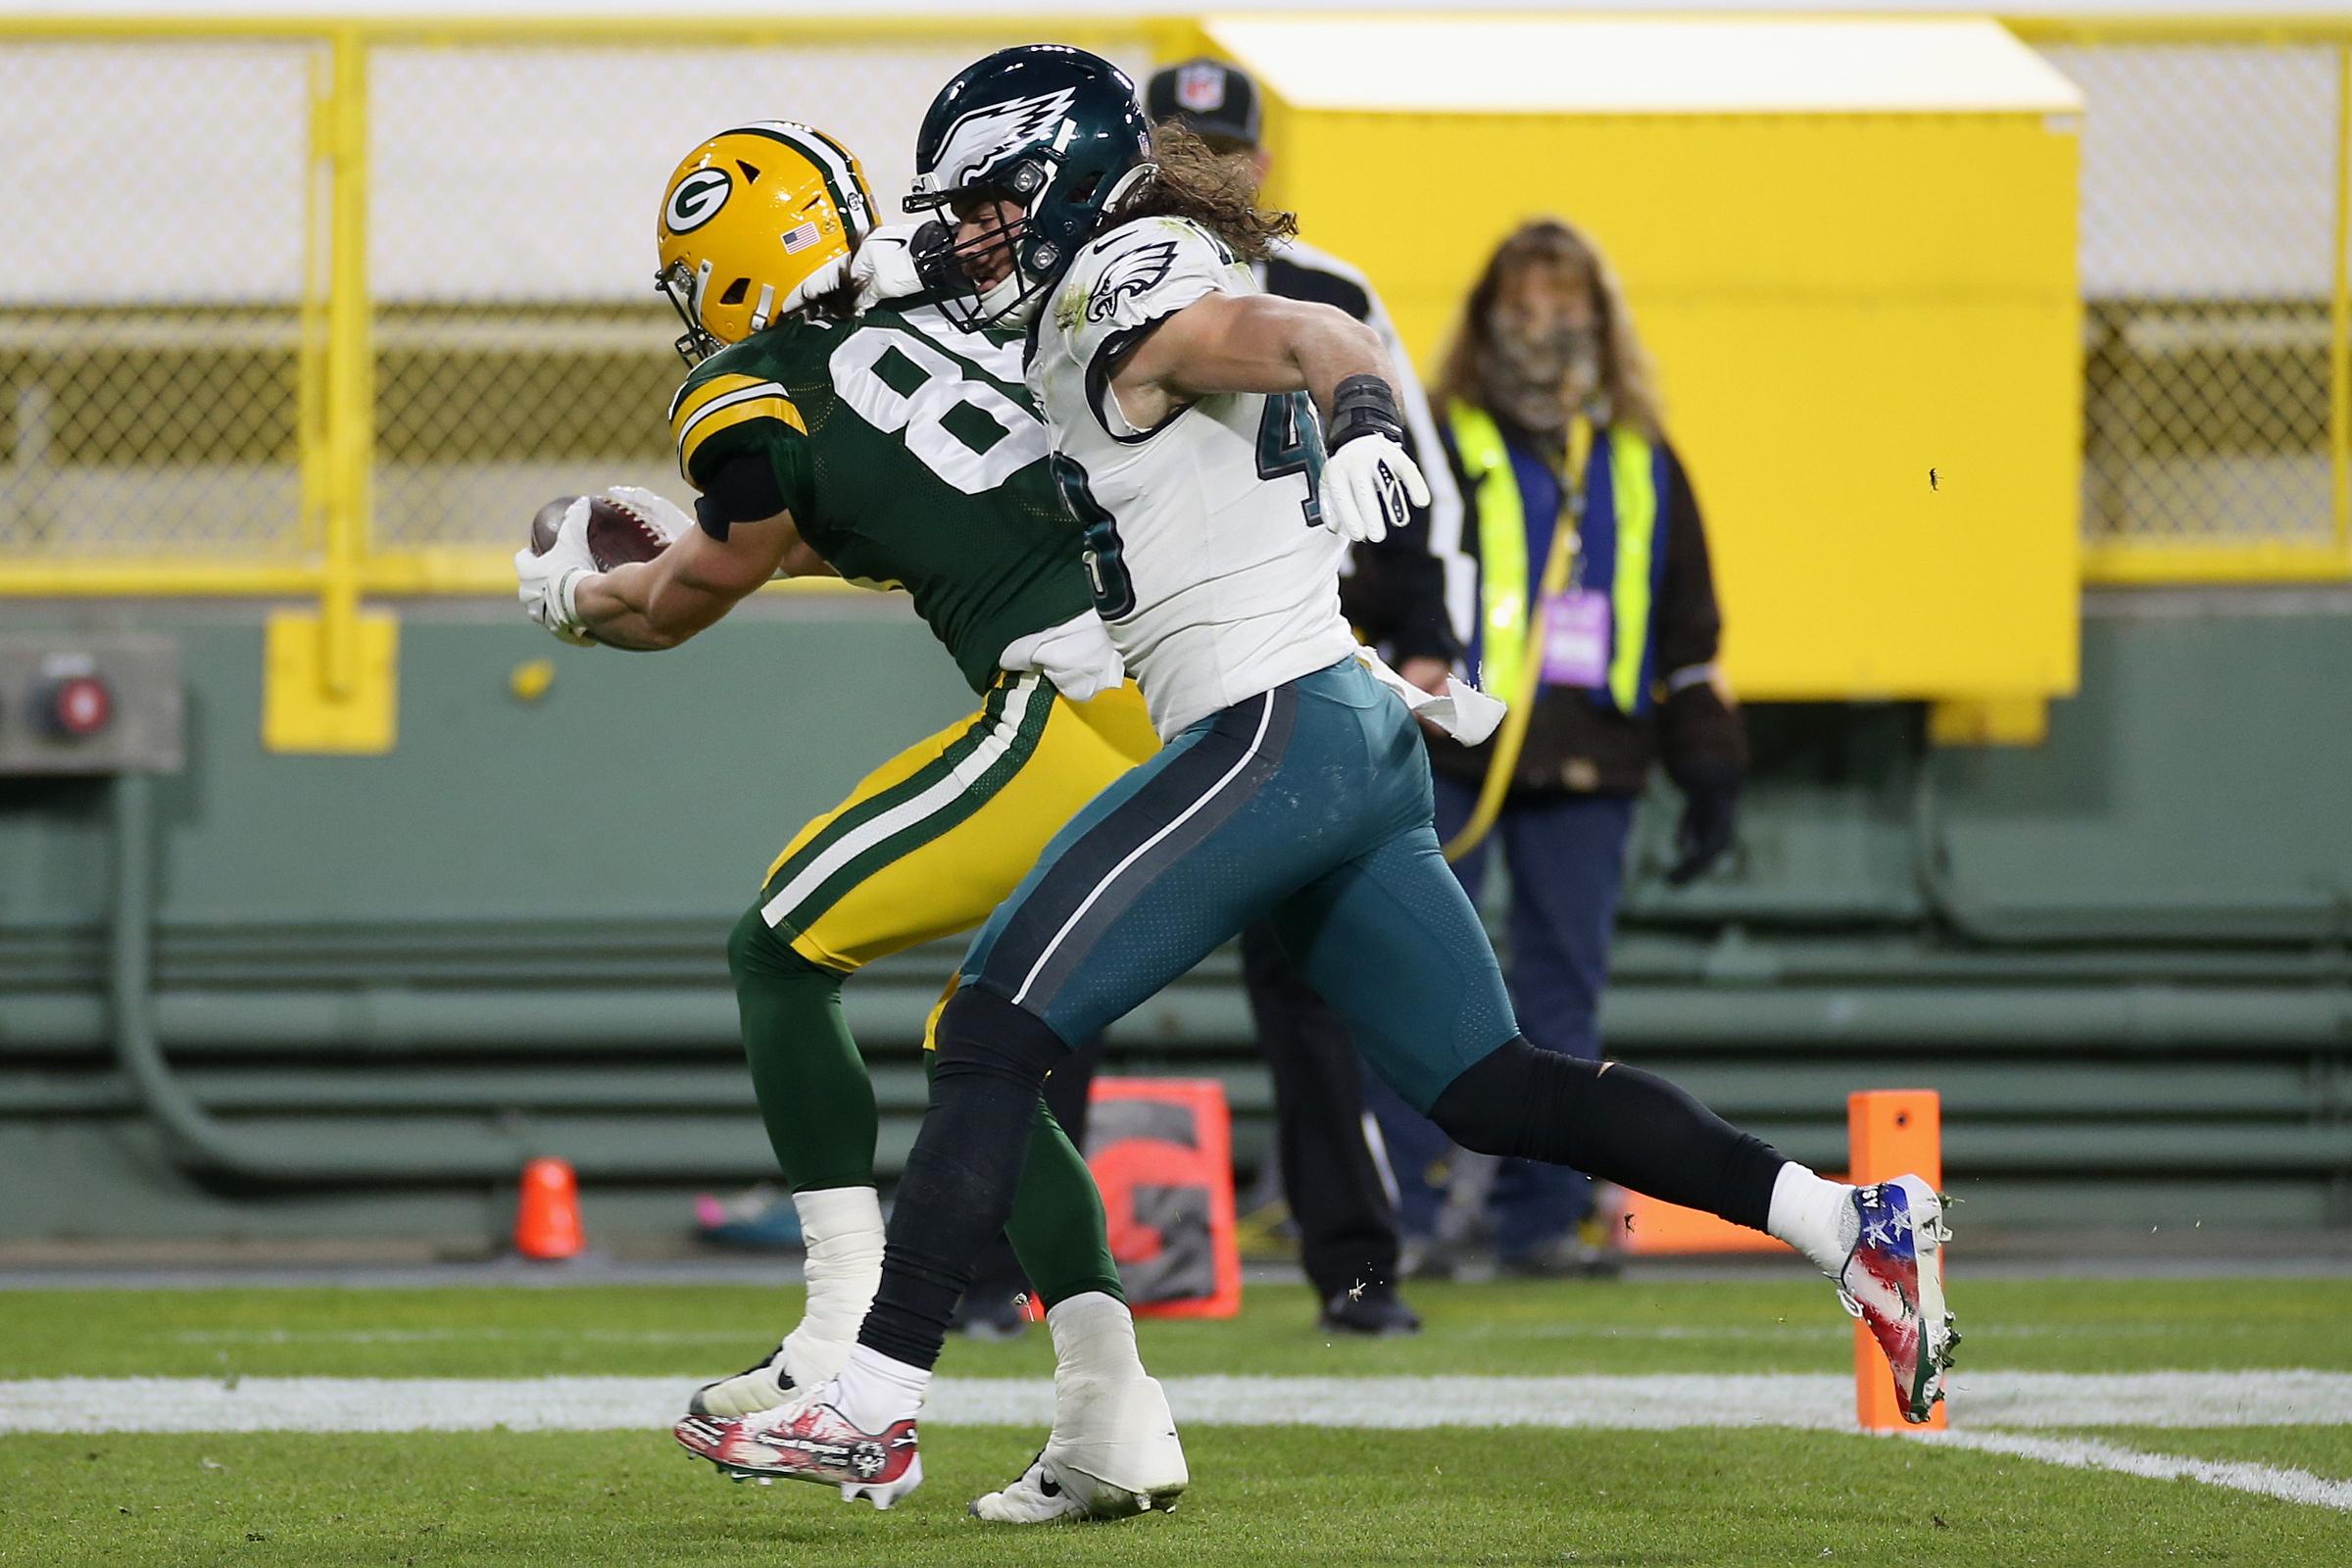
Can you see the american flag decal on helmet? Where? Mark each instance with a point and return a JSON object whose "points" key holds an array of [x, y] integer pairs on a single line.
{"points": [[800, 238]]}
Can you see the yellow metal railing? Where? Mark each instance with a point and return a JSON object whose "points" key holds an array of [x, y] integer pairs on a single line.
{"points": [[336, 408], [2162, 533], [2276, 372]]}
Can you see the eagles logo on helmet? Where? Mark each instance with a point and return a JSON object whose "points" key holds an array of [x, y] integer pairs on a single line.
{"points": [[1052, 129], [756, 222]]}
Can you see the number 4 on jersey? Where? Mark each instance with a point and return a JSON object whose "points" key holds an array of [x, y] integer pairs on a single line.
{"points": [[1106, 564], [1290, 440]]}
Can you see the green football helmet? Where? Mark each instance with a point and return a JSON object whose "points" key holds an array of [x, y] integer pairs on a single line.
{"points": [[1055, 131]]}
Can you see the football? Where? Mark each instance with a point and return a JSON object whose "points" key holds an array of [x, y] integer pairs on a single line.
{"points": [[617, 534]]}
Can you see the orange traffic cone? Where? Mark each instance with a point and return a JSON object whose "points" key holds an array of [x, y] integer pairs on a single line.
{"points": [[547, 1221]]}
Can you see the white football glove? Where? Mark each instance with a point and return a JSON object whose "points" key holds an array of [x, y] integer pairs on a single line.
{"points": [[1369, 486], [883, 267], [549, 581], [1077, 656]]}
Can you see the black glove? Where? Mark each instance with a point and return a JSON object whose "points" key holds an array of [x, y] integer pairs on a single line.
{"points": [[1710, 814]]}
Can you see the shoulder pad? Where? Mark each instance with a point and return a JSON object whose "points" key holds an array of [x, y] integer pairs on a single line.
{"points": [[1138, 273], [729, 391]]}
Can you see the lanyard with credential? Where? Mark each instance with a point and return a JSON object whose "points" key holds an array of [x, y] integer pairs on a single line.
{"points": [[1557, 562]]}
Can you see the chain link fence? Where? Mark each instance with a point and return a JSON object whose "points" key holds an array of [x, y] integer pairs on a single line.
{"points": [[161, 380], [164, 324], [521, 351], [151, 295], [2211, 220]]}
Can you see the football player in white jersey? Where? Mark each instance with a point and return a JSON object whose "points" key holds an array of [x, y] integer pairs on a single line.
{"points": [[1291, 784]]}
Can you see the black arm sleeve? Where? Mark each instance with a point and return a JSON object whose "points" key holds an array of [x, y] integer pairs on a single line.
{"points": [[1697, 729], [744, 489]]}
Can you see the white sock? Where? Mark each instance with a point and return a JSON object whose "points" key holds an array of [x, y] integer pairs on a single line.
{"points": [[876, 1391], [1093, 1337], [1814, 1215], [843, 1229]]}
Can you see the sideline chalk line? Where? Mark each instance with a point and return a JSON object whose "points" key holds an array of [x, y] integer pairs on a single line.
{"points": [[1983, 1406], [1655, 1401], [2082, 1454]]}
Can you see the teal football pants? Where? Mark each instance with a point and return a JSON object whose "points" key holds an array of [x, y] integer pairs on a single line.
{"points": [[1308, 805]]}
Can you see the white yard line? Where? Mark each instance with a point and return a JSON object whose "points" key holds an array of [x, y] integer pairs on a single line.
{"points": [[1983, 1404], [1980, 1401], [2079, 1453]]}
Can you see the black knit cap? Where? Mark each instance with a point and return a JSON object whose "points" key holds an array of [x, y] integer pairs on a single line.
{"points": [[1215, 101]]}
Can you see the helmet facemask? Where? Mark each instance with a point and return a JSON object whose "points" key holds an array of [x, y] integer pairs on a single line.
{"points": [[951, 266], [684, 291], [1038, 245]]}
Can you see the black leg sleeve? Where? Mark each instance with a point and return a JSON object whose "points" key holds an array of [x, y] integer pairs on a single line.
{"points": [[1347, 1234], [1613, 1121], [998, 1276], [959, 1183]]}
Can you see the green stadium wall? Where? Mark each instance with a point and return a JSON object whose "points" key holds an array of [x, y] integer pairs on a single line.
{"points": [[2122, 957]]}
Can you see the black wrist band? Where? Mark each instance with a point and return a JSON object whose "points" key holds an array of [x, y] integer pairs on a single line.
{"points": [[1363, 405]]}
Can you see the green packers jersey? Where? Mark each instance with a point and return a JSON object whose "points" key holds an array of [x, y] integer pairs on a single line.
{"points": [[910, 456]]}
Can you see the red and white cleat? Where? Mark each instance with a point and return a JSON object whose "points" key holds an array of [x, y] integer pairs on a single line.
{"points": [[1893, 1282], [809, 1440]]}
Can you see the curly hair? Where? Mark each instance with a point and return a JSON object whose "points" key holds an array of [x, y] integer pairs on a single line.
{"points": [[1218, 192]]}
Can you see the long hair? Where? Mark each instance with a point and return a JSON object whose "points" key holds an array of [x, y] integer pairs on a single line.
{"points": [[1217, 192], [1628, 382]]}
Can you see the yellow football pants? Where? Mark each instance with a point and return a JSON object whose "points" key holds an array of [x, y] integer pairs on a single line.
{"points": [[932, 841]]}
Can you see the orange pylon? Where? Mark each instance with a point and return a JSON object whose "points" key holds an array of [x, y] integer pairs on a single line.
{"points": [[1890, 1133], [547, 1218]]}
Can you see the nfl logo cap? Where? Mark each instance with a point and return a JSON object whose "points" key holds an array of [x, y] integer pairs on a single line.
{"points": [[1216, 102]]}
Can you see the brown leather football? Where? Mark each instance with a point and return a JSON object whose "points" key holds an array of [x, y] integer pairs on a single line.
{"points": [[549, 520], [616, 532]]}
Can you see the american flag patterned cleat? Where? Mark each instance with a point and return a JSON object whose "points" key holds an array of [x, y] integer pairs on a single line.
{"points": [[1894, 1281], [807, 1439]]}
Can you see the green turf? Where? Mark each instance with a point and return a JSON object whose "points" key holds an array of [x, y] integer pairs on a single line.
{"points": [[2031, 1325], [1271, 1496], [1259, 1496]]}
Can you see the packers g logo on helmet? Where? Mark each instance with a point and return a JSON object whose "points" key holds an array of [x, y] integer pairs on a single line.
{"points": [[697, 200], [756, 222]]}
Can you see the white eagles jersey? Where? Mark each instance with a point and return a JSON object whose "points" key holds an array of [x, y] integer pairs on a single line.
{"points": [[1209, 560]]}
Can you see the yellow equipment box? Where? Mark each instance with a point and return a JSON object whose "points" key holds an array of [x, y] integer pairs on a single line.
{"points": [[1850, 246]]}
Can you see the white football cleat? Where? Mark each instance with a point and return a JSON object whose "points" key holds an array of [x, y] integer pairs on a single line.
{"points": [[1037, 1498], [762, 1386], [1893, 1282], [1115, 1446]]}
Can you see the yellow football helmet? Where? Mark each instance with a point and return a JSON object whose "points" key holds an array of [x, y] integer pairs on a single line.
{"points": [[757, 221]]}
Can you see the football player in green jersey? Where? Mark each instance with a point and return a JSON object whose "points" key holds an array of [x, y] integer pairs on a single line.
{"points": [[889, 446]]}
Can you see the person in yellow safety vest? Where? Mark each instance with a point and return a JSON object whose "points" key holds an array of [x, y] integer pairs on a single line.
{"points": [[1595, 610]]}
